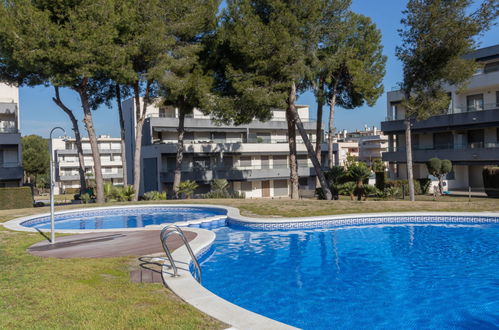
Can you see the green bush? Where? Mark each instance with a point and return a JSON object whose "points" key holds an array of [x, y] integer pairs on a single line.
{"points": [[404, 185], [424, 185], [155, 195], [85, 198], [16, 198], [490, 176]]}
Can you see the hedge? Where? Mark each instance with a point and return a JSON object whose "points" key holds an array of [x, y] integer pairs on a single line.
{"points": [[16, 198], [490, 176], [403, 184]]}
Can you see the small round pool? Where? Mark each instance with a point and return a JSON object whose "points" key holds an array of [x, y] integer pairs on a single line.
{"points": [[117, 218], [410, 276]]}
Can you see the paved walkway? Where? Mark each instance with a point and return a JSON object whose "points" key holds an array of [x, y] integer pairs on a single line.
{"points": [[109, 244]]}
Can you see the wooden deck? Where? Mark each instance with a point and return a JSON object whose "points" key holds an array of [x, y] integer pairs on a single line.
{"points": [[105, 245]]}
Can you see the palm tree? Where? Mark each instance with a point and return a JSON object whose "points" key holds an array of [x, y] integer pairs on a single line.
{"points": [[359, 172]]}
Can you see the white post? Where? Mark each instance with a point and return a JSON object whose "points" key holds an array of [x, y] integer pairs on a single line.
{"points": [[52, 185]]}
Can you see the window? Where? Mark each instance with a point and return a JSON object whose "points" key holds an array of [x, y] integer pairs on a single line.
{"points": [[444, 140], [245, 161], [474, 102], [491, 67], [475, 138], [246, 186], [497, 99], [219, 137], [280, 162]]}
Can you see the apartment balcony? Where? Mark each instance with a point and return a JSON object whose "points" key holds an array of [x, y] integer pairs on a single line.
{"points": [[65, 176], [480, 153], [202, 147], [207, 125], [87, 151], [457, 118], [11, 171], [235, 174]]}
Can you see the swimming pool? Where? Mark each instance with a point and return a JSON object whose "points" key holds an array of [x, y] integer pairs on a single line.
{"points": [[388, 276], [124, 217]]}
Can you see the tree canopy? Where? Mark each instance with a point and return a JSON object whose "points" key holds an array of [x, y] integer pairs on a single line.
{"points": [[36, 157]]}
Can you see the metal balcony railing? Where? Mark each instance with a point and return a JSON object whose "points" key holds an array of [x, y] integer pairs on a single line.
{"points": [[9, 164], [450, 146]]}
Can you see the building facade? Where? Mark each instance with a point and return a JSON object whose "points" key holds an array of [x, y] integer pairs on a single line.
{"points": [[67, 163], [11, 171], [253, 157], [467, 133], [371, 144]]}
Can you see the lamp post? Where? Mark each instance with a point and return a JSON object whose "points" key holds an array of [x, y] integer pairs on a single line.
{"points": [[52, 184]]}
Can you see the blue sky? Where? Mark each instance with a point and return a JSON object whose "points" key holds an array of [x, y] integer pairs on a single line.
{"points": [[39, 114]]}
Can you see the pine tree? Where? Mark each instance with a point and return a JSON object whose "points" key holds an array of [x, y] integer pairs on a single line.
{"points": [[353, 65], [268, 44], [66, 44], [435, 37], [186, 84]]}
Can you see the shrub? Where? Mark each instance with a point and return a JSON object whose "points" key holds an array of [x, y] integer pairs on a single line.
{"points": [[490, 176], [424, 185], [187, 188], [155, 195], [16, 198], [439, 168], [369, 190], [85, 198], [348, 189], [126, 193], [404, 185], [336, 175]]}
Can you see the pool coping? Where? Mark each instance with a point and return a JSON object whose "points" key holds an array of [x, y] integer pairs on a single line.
{"points": [[189, 290], [16, 224]]}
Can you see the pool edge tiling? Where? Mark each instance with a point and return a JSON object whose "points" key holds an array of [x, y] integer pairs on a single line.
{"points": [[18, 223], [188, 289]]}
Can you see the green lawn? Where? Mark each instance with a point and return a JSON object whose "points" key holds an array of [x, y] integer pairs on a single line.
{"points": [[96, 293]]}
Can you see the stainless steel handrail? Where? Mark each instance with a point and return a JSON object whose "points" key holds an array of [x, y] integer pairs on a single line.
{"points": [[167, 232]]}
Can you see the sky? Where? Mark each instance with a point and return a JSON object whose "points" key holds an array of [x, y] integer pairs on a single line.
{"points": [[39, 114]]}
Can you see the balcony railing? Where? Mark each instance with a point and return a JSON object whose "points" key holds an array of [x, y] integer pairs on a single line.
{"points": [[8, 129], [9, 164], [229, 141], [460, 109], [450, 146]]}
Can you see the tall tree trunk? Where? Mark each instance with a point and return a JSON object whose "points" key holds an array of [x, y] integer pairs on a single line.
{"points": [[318, 128], [89, 124], [408, 152], [308, 144], [180, 151], [79, 148], [122, 134], [141, 117], [293, 163], [332, 103]]}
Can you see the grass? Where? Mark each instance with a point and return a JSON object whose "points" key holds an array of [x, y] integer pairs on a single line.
{"points": [[41, 293]]}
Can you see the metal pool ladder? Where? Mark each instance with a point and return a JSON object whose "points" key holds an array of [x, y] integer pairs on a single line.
{"points": [[167, 232]]}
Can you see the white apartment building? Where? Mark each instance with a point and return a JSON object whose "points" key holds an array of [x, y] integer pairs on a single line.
{"points": [[371, 143], [252, 157], [67, 163], [467, 133], [11, 171]]}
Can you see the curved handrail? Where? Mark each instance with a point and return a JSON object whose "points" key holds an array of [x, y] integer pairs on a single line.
{"points": [[174, 229]]}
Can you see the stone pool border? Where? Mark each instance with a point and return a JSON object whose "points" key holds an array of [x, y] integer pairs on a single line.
{"points": [[188, 289], [16, 224]]}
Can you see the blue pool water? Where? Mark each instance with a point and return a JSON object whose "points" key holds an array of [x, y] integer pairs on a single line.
{"points": [[384, 277], [124, 217]]}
